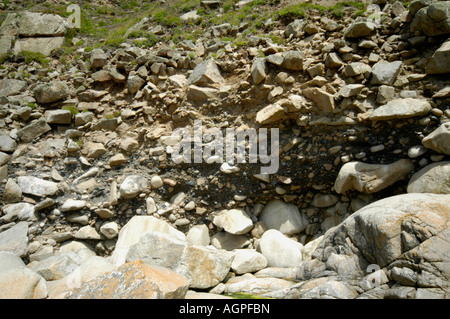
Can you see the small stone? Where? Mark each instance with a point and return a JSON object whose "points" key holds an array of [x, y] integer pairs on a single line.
{"points": [[110, 230], [359, 29], [151, 206], [259, 70], [7, 144], [15, 239], [33, 130], [104, 213], [95, 150], [416, 151], [377, 148], [190, 206], [401, 108], [12, 192], [72, 205], [270, 114], [385, 72], [156, 182], [438, 140], [58, 116], [324, 200], [233, 221], [132, 186], [117, 160], [36, 186], [87, 232], [98, 58], [228, 169]]}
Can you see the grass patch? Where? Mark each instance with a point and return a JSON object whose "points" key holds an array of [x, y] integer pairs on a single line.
{"points": [[167, 18], [112, 115], [149, 41], [38, 57], [240, 295], [298, 11], [73, 109], [338, 8]]}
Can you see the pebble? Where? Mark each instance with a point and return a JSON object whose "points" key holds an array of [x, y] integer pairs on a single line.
{"points": [[73, 204], [190, 206], [377, 148], [156, 182], [416, 151], [229, 169], [110, 230]]}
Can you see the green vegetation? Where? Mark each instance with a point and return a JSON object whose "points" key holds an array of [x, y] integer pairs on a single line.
{"points": [[166, 18], [148, 41], [38, 57], [105, 25], [73, 109], [240, 295], [111, 115], [298, 11]]}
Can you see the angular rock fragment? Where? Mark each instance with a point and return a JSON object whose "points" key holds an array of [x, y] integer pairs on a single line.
{"points": [[400, 108], [439, 139]]}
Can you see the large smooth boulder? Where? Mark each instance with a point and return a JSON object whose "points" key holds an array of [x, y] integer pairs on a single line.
{"points": [[203, 267], [412, 228], [279, 250], [284, 217], [132, 231], [257, 286], [433, 178], [9, 260], [247, 261]]}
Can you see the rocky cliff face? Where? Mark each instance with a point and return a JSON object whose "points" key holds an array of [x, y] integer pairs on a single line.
{"points": [[358, 207]]}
